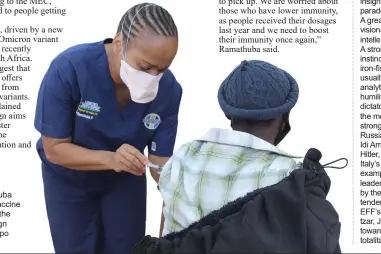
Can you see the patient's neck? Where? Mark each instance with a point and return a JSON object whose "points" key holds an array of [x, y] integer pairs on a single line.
{"points": [[263, 133]]}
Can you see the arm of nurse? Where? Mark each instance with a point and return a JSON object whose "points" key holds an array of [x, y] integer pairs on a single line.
{"points": [[63, 152], [55, 113], [162, 146]]}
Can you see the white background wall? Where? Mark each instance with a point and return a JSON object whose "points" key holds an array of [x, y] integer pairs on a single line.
{"points": [[321, 119]]}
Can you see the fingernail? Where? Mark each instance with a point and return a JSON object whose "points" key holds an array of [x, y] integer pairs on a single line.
{"points": [[144, 169]]}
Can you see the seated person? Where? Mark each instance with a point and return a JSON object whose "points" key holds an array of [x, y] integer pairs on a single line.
{"points": [[290, 215], [206, 174]]}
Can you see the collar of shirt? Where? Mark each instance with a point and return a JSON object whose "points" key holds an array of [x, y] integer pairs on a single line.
{"points": [[243, 139]]}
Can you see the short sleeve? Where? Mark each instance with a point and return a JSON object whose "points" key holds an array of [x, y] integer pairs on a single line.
{"points": [[163, 143], [55, 105]]}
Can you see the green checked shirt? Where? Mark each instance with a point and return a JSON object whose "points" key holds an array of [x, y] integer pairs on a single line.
{"points": [[205, 174]]}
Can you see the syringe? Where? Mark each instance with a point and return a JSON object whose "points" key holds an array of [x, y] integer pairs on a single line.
{"points": [[158, 167]]}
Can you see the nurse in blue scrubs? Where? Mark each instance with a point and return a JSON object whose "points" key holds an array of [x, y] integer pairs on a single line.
{"points": [[99, 106]]}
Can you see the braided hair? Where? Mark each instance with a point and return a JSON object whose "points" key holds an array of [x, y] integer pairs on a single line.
{"points": [[147, 15]]}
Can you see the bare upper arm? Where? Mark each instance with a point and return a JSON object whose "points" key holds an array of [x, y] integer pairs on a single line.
{"points": [[158, 161]]}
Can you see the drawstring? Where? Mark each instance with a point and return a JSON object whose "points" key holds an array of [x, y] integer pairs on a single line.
{"points": [[312, 158], [332, 162]]}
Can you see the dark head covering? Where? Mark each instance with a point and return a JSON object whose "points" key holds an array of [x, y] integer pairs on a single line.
{"points": [[257, 90]]}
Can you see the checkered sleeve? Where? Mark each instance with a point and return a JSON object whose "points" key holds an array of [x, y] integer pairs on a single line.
{"points": [[280, 168]]}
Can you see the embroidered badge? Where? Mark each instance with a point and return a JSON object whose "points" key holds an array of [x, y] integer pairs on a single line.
{"points": [[88, 109], [152, 121]]}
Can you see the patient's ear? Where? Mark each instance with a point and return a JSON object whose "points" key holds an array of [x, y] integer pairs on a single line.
{"points": [[232, 123], [286, 117]]}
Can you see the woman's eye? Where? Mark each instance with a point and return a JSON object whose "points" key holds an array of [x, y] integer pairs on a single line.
{"points": [[145, 68]]}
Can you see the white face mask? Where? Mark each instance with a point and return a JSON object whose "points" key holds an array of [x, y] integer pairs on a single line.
{"points": [[143, 86]]}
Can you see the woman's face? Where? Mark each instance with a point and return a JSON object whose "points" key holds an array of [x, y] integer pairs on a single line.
{"points": [[149, 53]]}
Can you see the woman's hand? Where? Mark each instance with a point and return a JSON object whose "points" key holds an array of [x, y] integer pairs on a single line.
{"points": [[128, 159]]}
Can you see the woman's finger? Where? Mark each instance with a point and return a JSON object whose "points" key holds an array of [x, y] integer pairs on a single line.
{"points": [[132, 158], [129, 161], [135, 152]]}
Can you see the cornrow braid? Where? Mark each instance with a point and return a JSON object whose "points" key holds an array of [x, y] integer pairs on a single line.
{"points": [[147, 15]]}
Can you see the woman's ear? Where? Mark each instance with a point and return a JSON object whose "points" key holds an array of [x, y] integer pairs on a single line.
{"points": [[232, 122], [117, 42], [117, 38]]}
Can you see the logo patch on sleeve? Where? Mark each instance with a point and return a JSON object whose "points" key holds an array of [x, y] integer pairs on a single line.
{"points": [[153, 146], [152, 121]]}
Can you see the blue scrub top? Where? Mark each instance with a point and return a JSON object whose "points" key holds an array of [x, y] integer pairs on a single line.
{"points": [[77, 99]]}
